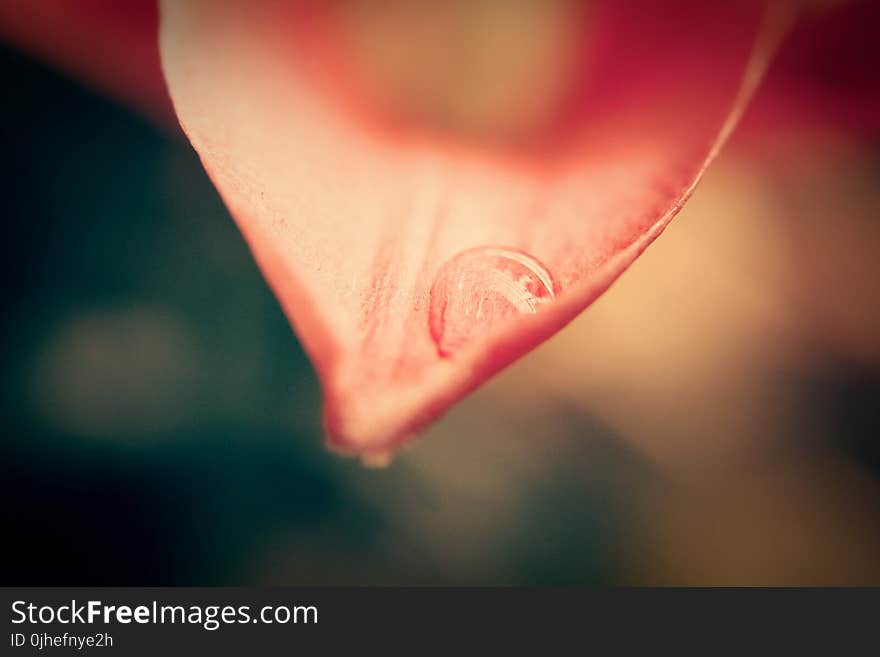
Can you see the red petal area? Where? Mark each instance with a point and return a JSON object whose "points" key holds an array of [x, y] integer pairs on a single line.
{"points": [[413, 266], [826, 74], [109, 43]]}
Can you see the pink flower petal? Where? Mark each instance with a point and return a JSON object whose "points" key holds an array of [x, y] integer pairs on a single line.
{"points": [[414, 264]]}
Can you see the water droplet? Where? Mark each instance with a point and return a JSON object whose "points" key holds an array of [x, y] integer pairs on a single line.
{"points": [[480, 287], [377, 458]]}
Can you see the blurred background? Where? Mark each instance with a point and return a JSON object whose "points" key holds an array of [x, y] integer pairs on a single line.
{"points": [[713, 419]]}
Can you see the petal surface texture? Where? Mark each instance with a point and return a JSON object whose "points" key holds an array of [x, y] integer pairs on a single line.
{"points": [[417, 251]]}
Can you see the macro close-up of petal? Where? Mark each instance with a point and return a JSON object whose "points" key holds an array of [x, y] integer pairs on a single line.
{"points": [[415, 252], [583, 291]]}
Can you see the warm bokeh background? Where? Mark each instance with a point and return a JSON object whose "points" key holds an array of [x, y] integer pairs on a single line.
{"points": [[712, 420]]}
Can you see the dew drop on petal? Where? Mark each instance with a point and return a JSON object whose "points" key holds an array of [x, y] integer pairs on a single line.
{"points": [[481, 287], [377, 458]]}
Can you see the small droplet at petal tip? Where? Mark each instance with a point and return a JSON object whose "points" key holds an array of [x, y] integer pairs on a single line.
{"points": [[377, 458]]}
